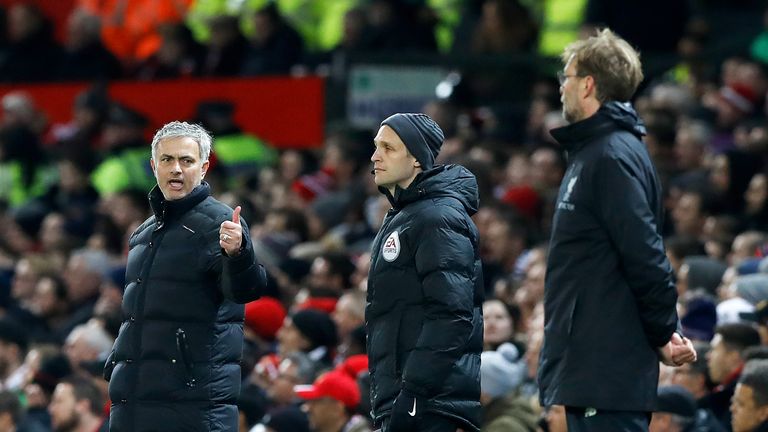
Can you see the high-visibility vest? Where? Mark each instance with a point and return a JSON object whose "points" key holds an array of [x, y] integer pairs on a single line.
{"points": [[12, 187], [449, 14], [130, 169], [203, 10], [243, 150], [562, 20]]}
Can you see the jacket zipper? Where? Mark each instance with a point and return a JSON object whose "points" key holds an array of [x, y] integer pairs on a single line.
{"points": [[138, 316], [375, 252], [183, 346]]}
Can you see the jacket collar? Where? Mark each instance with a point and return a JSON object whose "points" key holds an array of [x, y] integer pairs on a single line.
{"points": [[165, 210], [450, 181], [611, 116], [403, 196]]}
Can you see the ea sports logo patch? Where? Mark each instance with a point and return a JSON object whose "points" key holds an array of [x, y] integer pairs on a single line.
{"points": [[391, 248]]}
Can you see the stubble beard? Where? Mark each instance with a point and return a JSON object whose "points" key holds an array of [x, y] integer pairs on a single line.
{"points": [[571, 114], [69, 425]]}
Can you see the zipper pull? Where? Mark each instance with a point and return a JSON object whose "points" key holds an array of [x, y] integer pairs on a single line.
{"points": [[183, 347]]}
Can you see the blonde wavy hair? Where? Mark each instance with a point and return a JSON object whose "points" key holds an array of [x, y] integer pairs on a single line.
{"points": [[610, 61]]}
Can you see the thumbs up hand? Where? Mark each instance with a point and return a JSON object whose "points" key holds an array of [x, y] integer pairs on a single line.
{"points": [[231, 234]]}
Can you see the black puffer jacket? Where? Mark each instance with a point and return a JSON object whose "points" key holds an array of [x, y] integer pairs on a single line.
{"points": [[175, 365], [423, 317], [609, 298]]}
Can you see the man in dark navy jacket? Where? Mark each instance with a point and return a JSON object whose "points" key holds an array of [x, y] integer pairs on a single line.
{"points": [[609, 299], [175, 366], [425, 288]]}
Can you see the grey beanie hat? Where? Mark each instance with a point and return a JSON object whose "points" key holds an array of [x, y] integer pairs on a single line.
{"points": [[500, 371], [753, 287], [421, 135], [704, 272]]}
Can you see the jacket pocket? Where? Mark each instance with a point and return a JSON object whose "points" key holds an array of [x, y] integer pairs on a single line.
{"points": [[397, 349], [407, 335], [572, 315], [183, 346]]}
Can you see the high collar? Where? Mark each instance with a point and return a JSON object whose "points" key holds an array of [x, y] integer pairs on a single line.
{"points": [[442, 180], [166, 211], [611, 116], [403, 196]]}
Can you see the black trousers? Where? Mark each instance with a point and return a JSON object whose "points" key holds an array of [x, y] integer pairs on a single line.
{"points": [[429, 423], [591, 420]]}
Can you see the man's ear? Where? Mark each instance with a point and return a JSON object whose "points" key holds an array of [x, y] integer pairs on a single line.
{"points": [[83, 406], [206, 164], [416, 164], [589, 86]]}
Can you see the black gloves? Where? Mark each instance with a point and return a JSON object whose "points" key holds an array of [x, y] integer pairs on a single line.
{"points": [[406, 412]]}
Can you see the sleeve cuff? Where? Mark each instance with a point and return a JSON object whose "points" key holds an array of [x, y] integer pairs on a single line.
{"points": [[414, 390], [241, 262]]}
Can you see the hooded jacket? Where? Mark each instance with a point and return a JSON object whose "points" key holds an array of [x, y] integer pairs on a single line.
{"points": [[175, 365], [423, 315], [609, 298]]}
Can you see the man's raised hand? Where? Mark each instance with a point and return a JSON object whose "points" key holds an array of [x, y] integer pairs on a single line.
{"points": [[231, 234]]}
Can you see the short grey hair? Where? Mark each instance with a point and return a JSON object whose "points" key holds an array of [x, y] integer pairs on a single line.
{"points": [[176, 129], [94, 336], [698, 130], [96, 261]]}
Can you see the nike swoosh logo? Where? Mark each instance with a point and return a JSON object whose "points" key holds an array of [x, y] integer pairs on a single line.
{"points": [[413, 411]]}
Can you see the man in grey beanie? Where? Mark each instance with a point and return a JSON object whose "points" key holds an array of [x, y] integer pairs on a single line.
{"points": [[504, 410], [423, 317]]}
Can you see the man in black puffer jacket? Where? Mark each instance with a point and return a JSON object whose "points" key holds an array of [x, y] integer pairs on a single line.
{"points": [[175, 365], [425, 288]]}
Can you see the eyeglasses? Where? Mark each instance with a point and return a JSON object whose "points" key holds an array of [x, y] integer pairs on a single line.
{"points": [[561, 77]]}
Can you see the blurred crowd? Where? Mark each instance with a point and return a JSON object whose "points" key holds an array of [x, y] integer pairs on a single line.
{"points": [[156, 39], [72, 193]]}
